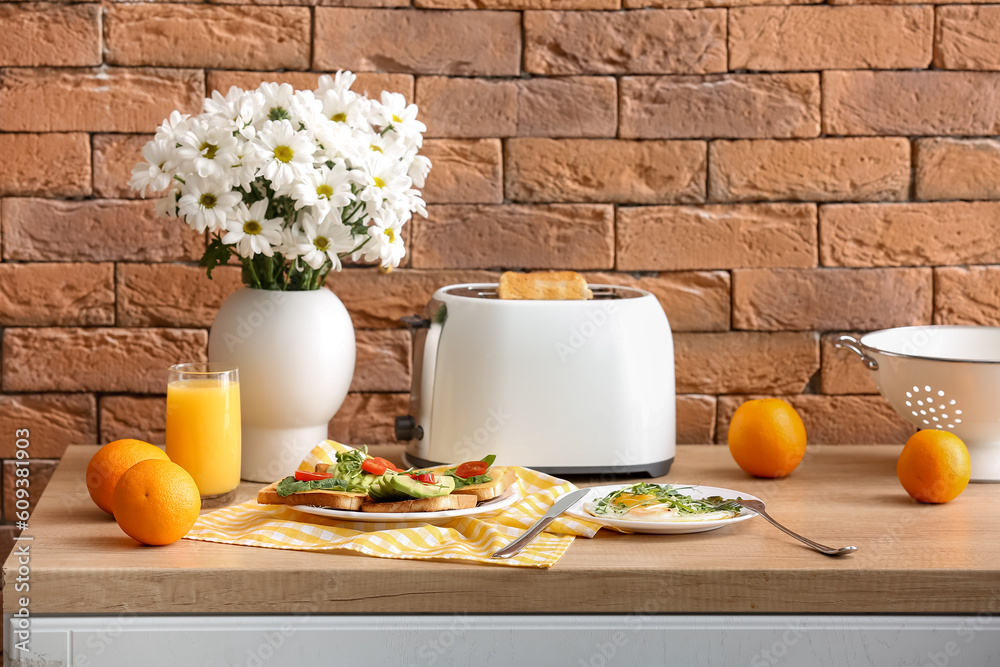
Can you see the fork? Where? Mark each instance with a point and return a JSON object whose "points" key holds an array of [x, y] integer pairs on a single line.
{"points": [[758, 507]]}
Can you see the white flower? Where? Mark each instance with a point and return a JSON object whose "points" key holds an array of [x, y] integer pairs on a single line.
{"points": [[419, 168], [288, 243], [251, 232], [340, 82], [382, 179], [402, 118], [324, 188], [388, 144], [341, 105], [173, 127], [386, 241], [153, 174], [415, 203], [276, 102], [324, 241], [206, 203], [339, 141], [281, 102], [306, 110], [287, 154], [236, 111], [222, 105], [314, 159], [243, 174], [211, 152], [166, 206]]}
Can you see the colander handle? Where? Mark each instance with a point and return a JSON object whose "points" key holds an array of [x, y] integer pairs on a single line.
{"points": [[851, 343]]}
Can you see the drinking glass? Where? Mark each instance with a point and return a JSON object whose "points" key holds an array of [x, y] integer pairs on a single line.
{"points": [[203, 427]]}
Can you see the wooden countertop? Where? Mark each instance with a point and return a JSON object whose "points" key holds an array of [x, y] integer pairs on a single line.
{"points": [[928, 559]]}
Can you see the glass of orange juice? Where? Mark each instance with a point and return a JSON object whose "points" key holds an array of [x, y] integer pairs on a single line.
{"points": [[203, 428]]}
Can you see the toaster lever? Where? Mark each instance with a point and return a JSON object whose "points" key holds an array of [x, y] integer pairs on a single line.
{"points": [[407, 429], [416, 322]]}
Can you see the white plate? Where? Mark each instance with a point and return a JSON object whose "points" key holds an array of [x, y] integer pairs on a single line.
{"points": [[663, 527], [503, 501]]}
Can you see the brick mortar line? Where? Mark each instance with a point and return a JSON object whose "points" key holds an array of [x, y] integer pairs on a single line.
{"points": [[312, 43], [615, 137], [101, 27], [523, 76], [819, 241], [934, 293]]}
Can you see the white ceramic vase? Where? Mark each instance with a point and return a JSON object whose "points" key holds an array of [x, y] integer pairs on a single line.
{"points": [[295, 354]]}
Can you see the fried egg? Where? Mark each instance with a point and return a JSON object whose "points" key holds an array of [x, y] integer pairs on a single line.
{"points": [[657, 512]]}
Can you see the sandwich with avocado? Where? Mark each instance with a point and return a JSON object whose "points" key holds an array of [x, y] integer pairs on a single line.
{"points": [[358, 481], [479, 478]]}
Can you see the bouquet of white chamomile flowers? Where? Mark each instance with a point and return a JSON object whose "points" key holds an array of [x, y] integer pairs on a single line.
{"points": [[291, 181]]}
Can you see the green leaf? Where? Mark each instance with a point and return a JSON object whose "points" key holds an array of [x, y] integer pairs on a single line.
{"points": [[216, 254], [278, 113], [469, 481], [485, 478], [290, 485]]}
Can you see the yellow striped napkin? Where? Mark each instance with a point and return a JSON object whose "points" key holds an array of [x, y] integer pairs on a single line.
{"points": [[471, 538]]}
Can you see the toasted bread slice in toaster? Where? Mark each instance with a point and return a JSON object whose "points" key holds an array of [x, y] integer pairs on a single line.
{"points": [[338, 500], [503, 478], [437, 504], [544, 285]]}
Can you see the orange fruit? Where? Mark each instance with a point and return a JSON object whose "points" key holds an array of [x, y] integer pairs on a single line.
{"points": [[934, 466], [767, 437], [110, 462], [156, 502]]}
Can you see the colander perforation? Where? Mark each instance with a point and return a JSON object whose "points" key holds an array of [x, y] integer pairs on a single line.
{"points": [[924, 410], [940, 377]]}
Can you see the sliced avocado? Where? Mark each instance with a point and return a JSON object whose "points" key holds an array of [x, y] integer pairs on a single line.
{"points": [[417, 489], [380, 489], [392, 486], [364, 479], [352, 474]]}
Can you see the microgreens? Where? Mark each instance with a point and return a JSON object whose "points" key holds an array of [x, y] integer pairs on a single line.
{"points": [[665, 494]]}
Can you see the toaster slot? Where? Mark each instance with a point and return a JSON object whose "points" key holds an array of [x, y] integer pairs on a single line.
{"points": [[601, 292]]}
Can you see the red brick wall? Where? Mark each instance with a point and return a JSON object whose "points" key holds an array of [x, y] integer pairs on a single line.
{"points": [[775, 174]]}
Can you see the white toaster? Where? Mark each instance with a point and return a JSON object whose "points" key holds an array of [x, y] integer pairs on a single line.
{"points": [[566, 387]]}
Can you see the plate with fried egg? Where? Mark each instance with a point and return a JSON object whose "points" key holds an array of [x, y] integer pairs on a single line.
{"points": [[663, 509]]}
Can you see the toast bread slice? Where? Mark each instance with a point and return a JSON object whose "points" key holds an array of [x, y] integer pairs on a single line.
{"points": [[503, 478], [338, 500], [544, 285], [449, 502]]}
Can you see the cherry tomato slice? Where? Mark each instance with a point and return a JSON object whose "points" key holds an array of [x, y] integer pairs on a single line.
{"points": [[304, 476], [375, 466], [388, 464], [426, 478], [472, 469]]}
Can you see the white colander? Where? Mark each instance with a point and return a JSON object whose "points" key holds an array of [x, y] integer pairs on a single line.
{"points": [[943, 377]]}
